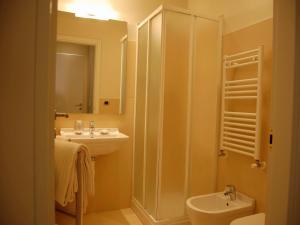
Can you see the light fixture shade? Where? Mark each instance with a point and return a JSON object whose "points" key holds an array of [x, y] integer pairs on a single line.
{"points": [[100, 10]]}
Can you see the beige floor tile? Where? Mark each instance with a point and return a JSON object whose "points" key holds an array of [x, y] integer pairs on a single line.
{"points": [[118, 217]]}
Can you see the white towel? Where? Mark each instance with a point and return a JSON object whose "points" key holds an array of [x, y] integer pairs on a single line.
{"points": [[66, 182]]}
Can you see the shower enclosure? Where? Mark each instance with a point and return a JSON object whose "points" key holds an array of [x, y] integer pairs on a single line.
{"points": [[166, 64]]}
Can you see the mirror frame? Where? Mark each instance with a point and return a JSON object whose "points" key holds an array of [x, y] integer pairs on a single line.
{"points": [[123, 75]]}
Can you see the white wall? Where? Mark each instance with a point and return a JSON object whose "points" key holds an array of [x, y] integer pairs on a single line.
{"points": [[131, 11], [237, 13]]}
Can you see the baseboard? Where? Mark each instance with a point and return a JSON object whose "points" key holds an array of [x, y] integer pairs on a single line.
{"points": [[147, 219]]}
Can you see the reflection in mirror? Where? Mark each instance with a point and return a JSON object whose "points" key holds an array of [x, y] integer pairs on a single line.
{"points": [[74, 78], [90, 69]]}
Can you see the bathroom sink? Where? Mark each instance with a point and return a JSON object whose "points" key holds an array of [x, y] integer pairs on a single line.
{"points": [[103, 141], [218, 209]]}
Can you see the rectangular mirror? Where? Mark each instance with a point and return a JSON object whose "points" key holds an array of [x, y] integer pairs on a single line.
{"points": [[90, 65]]}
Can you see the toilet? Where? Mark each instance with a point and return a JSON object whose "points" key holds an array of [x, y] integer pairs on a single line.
{"points": [[256, 219]]}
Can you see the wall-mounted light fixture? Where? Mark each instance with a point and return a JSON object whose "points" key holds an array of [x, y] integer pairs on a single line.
{"points": [[92, 9]]}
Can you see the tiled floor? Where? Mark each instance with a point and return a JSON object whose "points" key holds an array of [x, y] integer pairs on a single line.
{"points": [[119, 217]]}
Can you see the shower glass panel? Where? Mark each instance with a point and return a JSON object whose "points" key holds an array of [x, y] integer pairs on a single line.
{"points": [[140, 114], [175, 48], [153, 112], [205, 85], [175, 117]]}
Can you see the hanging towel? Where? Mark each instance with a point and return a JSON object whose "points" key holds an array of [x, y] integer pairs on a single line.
{"points": [[66, 182]]}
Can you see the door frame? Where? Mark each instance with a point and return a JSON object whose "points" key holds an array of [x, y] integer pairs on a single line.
{"points": [[43, 133], [284, 177]]}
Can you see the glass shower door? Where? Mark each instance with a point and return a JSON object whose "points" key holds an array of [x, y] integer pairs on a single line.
{"points": [[175, 146], [138, 188], [153, 125]]}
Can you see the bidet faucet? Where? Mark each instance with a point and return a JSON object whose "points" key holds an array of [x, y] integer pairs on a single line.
{"points": [[230, 191], [92, 128]]}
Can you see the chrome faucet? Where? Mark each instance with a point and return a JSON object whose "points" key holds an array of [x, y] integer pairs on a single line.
{"points": [[230, 191], [92, 128]]}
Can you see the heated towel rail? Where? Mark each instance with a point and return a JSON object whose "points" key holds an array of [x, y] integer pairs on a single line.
{"points": [[241, 129]]}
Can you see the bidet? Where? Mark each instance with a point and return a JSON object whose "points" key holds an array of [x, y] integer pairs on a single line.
{"points": [[218, 209]]}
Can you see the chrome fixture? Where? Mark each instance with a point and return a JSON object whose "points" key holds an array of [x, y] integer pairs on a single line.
{"points": [[230, 191], [92, 128], [221, 153]]}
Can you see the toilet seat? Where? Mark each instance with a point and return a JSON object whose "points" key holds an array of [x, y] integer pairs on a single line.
{"points": [[256, 219]]}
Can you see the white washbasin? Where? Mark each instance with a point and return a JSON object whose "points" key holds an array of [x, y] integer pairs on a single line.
{"points": [[104, 140], [217, 209]]}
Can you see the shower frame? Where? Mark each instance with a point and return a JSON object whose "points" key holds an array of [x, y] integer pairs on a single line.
{"points": [[136, 205]]}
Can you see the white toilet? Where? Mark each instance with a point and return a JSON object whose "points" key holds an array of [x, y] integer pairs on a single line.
{"points": [[256, 219]]}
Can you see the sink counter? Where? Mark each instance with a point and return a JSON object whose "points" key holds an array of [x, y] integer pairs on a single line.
{"points": [[103, 141]]}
